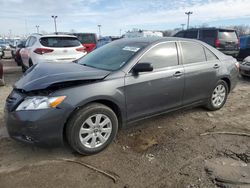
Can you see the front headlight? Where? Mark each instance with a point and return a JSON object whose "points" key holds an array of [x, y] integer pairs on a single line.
{"points": [[40, 102]]}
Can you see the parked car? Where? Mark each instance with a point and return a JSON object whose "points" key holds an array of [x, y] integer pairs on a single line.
{"points": [[51, 48], [1, 75], [88, 40], [244, 47], [245, 67], [225, 40], [6, 49], [105, 40], [17, 50], [85, 103], [1, 52]]}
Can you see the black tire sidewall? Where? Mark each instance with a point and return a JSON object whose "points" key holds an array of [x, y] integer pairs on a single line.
{"points": [[73, 128]]}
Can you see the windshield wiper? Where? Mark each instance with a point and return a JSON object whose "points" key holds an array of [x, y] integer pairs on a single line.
{"points": [[89, 66]]}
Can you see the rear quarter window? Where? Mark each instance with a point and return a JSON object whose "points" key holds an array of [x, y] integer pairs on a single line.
{"points": [[60, 42], [210, 55]]}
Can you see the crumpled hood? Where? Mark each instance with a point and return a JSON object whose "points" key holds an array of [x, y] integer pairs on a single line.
{"points": [[43, 75]]}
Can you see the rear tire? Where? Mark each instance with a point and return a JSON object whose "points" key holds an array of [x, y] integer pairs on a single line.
{"points": [[92, 129], [218, 96]]}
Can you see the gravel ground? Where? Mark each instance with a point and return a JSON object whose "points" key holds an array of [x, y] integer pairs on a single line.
{"points": [[165, 151]]}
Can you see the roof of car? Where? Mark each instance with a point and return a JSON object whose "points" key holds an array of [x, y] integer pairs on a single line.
{"points": [[207, 28], [150, 40], [53, 35]]}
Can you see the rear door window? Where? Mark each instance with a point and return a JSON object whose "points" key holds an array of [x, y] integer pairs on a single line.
{"points": [[161, 56], [191, 34], [60, 42], [227, 35], [192, 52]]}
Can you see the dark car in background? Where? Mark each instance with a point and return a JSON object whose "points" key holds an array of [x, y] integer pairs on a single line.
{"points": [[16, 52], [88, 40], [1, 52], [105, 40], [1, 75], [225, 40], [244, 47], [245, 67], [85, 103]]}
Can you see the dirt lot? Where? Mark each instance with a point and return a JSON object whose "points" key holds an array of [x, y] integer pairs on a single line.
{"points": [[165, 151]]}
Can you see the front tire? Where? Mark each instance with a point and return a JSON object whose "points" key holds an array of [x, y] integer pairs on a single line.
{"points": [[218, 96], [92, 129]]}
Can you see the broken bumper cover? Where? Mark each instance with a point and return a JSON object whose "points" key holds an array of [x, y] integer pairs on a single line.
{"points": [[38, 127]]}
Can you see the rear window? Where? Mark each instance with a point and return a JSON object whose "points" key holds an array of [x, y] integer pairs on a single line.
{"points": [[227, 35], [86, 38], [60, 42]]}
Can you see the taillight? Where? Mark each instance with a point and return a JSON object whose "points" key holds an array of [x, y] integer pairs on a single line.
{"points": [[237, 65], [238, 44], [42, 51], [81, 49], [216, 43]]}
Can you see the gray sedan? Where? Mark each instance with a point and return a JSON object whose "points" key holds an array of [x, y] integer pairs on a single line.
{"points": [[86, 102]]}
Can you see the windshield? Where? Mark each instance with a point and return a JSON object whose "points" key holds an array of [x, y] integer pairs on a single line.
{"points": [[111, 56]]}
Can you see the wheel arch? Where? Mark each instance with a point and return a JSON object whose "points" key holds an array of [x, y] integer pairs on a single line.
{"points": [[111, 104], [228, 81]]}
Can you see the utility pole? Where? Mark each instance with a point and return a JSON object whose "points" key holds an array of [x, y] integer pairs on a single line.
{"points": [[188, 14], [37, 29], [120, 32], [99, 27], [182, 26], [55, 17]]}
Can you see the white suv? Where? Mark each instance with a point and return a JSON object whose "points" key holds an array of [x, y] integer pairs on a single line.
{"points": [[52, 49]]}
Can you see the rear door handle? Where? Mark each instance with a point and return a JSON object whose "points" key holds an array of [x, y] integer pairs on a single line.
{"points": [[216, 66], [178, 74]]}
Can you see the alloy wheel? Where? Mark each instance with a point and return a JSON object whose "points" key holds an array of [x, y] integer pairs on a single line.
{"points": [[219, 95], [95, 131]]}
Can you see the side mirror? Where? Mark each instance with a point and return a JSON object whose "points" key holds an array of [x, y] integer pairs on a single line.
{"points": [[143, 67]]}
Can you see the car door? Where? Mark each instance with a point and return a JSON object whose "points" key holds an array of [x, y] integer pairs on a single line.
{"points": [[162, 89], [201, 68]]}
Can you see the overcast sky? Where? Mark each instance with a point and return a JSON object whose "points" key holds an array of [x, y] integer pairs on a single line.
{"points": [[21, 16]]}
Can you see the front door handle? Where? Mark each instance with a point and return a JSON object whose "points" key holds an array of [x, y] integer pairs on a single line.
{"points": [[216, 66], [178, 74]]}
